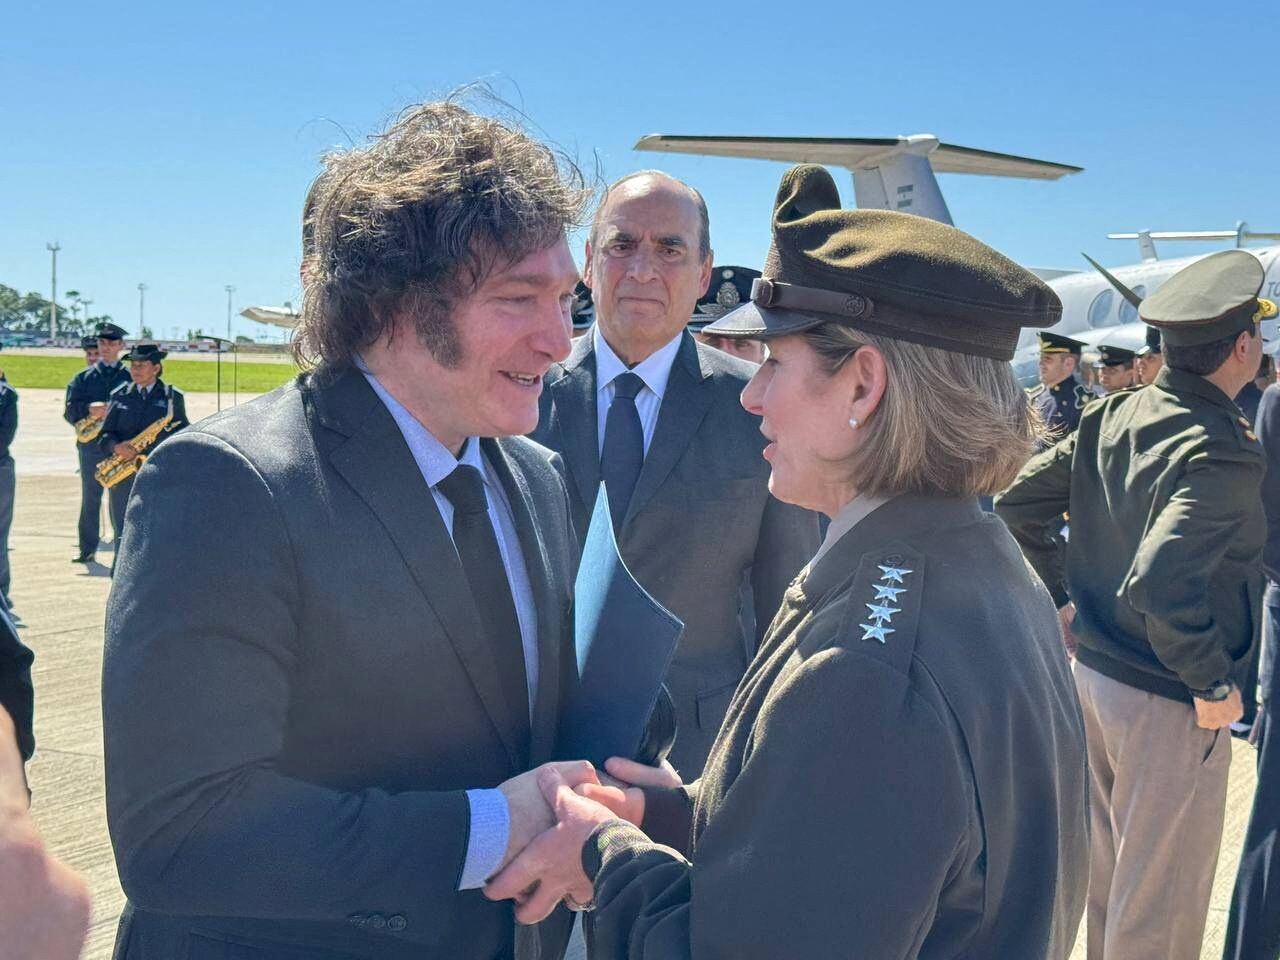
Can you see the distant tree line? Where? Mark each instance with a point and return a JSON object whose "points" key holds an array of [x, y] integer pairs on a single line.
{"points": [[29, 313]]}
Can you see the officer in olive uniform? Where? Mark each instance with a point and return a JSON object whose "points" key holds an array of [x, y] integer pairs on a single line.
{"points": [[1060, 396], [901, 771], [134, 407], [1164, 569], [88, 395], [1115, 368], [729, 287]]}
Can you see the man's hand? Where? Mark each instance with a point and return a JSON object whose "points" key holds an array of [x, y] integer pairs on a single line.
{"points": [[1067, 613], [550, 869], [98, 410], [621, 792], [125, 451], [529, 811], [1215, 716], [44, 906]]}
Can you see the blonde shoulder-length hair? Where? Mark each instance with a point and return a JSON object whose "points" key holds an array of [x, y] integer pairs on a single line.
{"points": [[949, 423]]}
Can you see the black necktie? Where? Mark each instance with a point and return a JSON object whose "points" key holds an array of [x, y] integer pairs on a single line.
{"points": [[623, 453], [477, 544]]}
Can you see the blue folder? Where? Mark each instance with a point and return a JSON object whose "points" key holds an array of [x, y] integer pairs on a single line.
{"points": [[624, 641]]}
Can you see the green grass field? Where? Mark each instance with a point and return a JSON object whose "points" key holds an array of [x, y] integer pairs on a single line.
{"points": [[193, 376]]}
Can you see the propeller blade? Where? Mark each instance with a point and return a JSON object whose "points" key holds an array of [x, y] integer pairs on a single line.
{"points": [[1124, 291]]}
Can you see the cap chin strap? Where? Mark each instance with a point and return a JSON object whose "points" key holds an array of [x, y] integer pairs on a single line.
{"points": [[788, 296]]}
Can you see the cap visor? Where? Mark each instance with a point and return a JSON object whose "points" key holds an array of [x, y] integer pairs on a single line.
{"points": [[754, 322]]}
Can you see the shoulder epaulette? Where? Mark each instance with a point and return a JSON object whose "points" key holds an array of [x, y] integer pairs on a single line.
{"points": [[884, 603], [122, 388]]}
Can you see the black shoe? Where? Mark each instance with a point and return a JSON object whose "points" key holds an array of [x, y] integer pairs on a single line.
{"points": [[83, 558]]}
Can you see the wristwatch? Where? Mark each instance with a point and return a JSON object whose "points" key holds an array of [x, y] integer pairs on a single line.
{"points": [[1216, 692]]}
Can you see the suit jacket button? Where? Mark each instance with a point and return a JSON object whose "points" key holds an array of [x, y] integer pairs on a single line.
{"points": [[397, 923], [377, 921]]}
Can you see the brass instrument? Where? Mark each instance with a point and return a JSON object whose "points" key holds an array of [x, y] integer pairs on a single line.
{"points": [[116, 469], [88, 428]]}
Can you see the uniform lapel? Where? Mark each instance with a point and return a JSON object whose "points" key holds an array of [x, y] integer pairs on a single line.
{"points": [[549, 628], [684, 404], [574, 418], [374, 459]]}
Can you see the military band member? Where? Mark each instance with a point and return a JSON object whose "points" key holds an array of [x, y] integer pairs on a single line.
{"points": [[1115, 368], [87, 396], [8, 481], [1149, 359], [134, 407], [1060, 396], [730, 286], [90, 347], [1162, 587]]}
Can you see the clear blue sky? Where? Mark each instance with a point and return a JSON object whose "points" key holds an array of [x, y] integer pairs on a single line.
{"points": [[172, 144]]}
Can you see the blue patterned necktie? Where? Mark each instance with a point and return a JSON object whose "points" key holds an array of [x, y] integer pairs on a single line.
{"points": [[623, 454]]}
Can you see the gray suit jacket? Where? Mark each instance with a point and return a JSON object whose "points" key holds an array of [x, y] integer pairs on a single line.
{"points": [[296, 691], [702, 533]]}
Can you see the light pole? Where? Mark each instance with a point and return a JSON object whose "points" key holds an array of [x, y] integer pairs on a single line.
{"points": [[230, 290], [53, 248], [142, 299]]}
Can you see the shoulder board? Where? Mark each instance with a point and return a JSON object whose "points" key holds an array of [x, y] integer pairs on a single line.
{"points": [[122, 388], [884, 605]]}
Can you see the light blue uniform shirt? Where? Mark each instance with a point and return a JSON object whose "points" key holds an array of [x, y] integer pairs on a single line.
{"points": [[490, 818]]}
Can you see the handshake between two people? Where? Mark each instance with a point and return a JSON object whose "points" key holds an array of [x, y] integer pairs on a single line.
{"points": [[554, 809]]}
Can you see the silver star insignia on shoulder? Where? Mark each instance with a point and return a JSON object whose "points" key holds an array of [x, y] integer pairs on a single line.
{"points": [[893, 574], [882, 613], [875, 631], [886, 592]]}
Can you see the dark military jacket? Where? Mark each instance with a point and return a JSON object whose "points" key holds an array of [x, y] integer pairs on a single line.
{"points": [[1164, 559], [16, 695], [8, 416], [901, 772], [131, 412], [93, 384], [1060, 405]]}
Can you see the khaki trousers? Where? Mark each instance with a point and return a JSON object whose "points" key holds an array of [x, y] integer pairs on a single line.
{"points": [[1157, 799]]}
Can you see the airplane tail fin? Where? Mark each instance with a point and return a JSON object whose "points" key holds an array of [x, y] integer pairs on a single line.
{"points": [[888, 173], [1241, 235]]}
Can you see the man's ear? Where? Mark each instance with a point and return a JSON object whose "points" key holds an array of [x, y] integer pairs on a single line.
{"points": [[586, 268]]}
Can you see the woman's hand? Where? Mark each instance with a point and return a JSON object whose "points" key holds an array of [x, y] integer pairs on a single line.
{"points": [[620, 790], [550, 869]]}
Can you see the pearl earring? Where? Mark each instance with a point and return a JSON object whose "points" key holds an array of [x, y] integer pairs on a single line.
{"points": [[853, 423]]}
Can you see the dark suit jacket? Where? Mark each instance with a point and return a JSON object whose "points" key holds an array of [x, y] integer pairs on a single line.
{"points": [[296, 691], [702, 533], [16, 695]]}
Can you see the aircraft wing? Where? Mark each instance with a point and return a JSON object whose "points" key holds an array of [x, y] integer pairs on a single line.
{"points": [[274, 316], [857, 153]]}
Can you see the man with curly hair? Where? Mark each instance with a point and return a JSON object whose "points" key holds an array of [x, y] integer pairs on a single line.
{"points": [[329, 749]]}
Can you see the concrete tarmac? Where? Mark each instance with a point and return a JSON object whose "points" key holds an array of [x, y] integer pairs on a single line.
{"points": [[61, 608]]}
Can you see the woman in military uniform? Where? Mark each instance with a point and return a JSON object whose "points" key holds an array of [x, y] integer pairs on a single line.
{"points": [[902, 770]]}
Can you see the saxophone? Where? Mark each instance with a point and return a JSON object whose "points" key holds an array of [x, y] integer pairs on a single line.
{"points": [[88, 428], [116, 469]]}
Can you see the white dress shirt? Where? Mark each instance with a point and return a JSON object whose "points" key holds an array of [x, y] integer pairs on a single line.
{"points": [[654, 370]]}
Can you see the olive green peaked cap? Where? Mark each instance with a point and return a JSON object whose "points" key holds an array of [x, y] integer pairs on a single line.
{"points": [[1212, 299], [891, 274]]}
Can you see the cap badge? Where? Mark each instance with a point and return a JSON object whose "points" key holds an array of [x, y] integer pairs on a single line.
{"points": [[727, 296]]}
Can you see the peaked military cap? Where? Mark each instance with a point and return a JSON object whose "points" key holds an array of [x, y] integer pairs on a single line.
{"points": [[730, 287], [1109, 356], [88, 343], [150, 352], [109, 331], [1212, 299], [1056, 343], [1153, 343], [886, 273], [583, 310]]}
